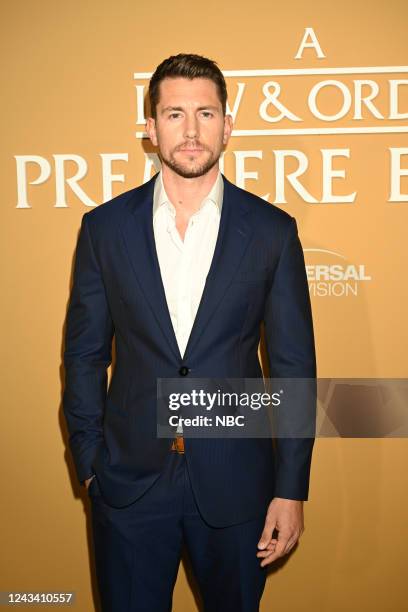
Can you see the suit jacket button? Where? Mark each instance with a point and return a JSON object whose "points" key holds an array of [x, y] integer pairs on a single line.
{"points": [[184, 370]]}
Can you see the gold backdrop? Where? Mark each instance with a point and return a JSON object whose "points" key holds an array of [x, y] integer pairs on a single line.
{"points": [[320, 95]]}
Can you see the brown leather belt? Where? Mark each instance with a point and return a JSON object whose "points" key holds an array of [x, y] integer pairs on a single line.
{"points": [[178, 444]]}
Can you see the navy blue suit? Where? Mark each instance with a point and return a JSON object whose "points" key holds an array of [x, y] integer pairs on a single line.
{"points": [[257, 274]]}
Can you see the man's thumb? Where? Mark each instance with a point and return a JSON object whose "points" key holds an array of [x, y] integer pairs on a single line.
{"points": [[266, 536]]}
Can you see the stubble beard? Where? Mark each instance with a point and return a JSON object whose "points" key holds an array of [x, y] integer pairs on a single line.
{"points": [[193, 170]]}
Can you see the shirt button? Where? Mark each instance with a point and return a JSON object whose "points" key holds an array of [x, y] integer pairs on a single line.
{"points": [[184, 370]]}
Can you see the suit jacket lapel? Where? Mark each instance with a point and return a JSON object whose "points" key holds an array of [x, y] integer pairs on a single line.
{"points": [[138, 234], [234, 234]]}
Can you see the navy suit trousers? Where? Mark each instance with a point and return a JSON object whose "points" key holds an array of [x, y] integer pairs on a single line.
{"points": [[138, 550]]}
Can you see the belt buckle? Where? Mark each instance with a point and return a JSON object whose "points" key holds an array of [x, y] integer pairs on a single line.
{"points": [[178, 444]]}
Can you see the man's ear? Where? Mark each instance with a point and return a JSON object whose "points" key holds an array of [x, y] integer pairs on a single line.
{"points": [[228, 125], [151, 130]]}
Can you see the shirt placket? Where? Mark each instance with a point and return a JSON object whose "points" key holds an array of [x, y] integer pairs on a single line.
{"points": [[185, 287]]}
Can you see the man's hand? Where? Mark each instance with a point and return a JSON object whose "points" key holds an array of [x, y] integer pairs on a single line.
{"points": [[286, 516], [88, 481]]}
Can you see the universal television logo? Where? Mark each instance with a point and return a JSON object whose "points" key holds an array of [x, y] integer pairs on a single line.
{"points": [[332, 278]]}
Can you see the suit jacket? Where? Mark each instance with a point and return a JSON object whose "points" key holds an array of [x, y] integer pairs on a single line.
{"points": [[257, 274]]}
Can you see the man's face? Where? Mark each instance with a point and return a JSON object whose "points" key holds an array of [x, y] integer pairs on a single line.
{"points": [[190, 129]]}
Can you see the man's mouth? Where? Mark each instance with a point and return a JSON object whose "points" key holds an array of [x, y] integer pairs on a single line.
{"points": [[191, 148]]}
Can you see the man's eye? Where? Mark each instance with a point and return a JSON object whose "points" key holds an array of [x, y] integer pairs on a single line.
{"points": [[207, 114], [174, 115]]}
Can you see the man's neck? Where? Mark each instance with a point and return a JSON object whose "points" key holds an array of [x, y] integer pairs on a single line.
{"points": [[187, 194]]}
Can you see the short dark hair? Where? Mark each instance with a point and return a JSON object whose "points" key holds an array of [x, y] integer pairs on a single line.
{"points": [[189, 66]]}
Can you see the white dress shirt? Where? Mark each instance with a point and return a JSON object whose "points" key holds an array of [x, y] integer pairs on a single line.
{"points": [[184, 265]]}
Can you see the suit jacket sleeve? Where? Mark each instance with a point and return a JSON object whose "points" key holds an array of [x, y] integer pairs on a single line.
{"points": [[88, 353], [291, 351]]}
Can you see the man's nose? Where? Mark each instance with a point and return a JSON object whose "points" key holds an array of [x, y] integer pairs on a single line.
{"points": [[191, 126]]}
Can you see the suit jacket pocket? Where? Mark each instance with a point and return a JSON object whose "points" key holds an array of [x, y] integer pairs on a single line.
{"points": [[93, 488]]}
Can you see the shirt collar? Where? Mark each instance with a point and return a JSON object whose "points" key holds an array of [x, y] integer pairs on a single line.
{"points": [[215, 195]]}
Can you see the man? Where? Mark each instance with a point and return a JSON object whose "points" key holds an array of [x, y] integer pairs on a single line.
{"points": [[182, 271]]}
